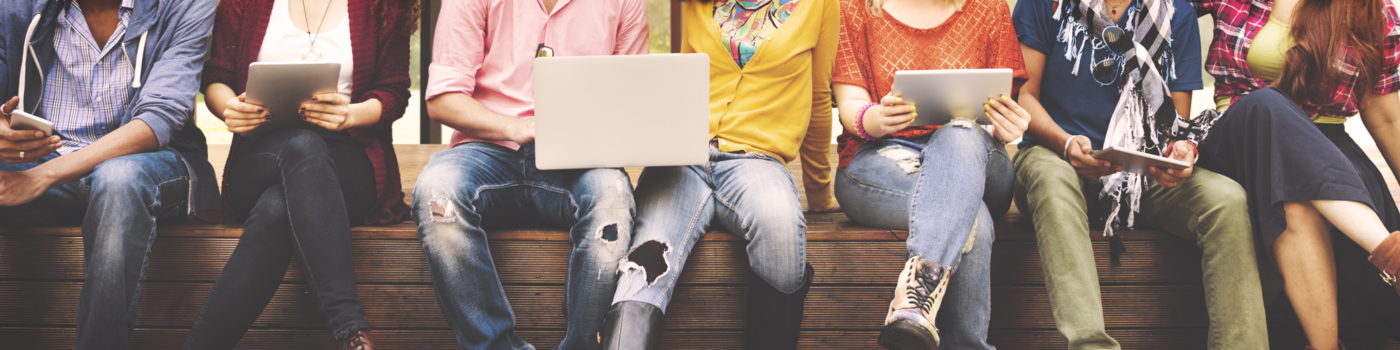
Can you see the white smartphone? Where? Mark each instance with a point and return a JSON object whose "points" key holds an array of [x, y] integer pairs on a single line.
{"points": [[19, 120], [1137, 162]]}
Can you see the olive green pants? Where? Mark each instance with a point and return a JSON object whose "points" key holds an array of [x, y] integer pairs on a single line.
{"points": [[1208, 207]]}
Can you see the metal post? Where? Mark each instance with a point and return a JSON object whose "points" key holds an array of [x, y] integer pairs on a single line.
{"points": [[429, 132]]}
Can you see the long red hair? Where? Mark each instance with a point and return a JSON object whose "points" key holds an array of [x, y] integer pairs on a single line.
{"points": [[1327, 33]]}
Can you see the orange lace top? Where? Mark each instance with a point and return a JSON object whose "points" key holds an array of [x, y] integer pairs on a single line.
{"points": [[872, 49]]}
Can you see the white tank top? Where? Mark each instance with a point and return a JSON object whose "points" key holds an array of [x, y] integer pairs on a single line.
{"points": [[285, 43]]}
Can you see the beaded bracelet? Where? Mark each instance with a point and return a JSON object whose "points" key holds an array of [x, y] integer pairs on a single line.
{"points": [[860, 122]]}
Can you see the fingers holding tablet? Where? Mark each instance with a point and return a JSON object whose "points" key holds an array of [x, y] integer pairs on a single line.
{"points": [[1170, 177], [330, 111], [1080, 156], [1009, 120], [893, 114], [241, 116]]}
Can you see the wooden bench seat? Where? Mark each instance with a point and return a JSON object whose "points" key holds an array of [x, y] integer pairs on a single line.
{"points": [[1152, 301]]}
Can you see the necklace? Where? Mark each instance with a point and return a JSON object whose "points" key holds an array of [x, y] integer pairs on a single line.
{"points": [[1114, 8], [311, 54]]}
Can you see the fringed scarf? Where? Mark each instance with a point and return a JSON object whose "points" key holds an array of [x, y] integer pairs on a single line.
{"points": [[1144, 119]]}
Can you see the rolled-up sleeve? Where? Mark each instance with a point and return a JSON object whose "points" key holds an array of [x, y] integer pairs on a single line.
{"points": [[166, 100], [458, 48], [632, 35]]}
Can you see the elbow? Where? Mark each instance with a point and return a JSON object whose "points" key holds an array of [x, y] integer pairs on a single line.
{"points": [[435, 112]]}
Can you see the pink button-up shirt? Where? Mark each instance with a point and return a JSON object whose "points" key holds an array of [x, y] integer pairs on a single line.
{"points": [[485, 48]]}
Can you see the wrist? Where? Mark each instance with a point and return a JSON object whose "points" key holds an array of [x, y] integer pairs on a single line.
{"points": [[1067, 143], [44, 175]]}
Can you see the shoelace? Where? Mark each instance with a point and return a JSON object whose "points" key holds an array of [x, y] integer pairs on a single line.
{"points": [[920, 291], [357, 341]]}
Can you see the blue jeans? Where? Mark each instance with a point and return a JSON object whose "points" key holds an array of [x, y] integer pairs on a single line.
{"points": [[750, 194], [477, 186], [942, 188], [118, 205]]}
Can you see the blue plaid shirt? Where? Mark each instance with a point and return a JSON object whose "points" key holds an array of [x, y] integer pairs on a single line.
{"points": [[84, 94]]}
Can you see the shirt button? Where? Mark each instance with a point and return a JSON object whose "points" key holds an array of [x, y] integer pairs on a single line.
{"points": [[723, 142]]}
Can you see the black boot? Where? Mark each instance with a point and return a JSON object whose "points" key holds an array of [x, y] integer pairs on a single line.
{"points": [[632, 325], [775, 318]]}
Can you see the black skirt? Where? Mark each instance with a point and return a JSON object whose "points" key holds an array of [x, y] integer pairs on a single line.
{"points": [[1275, 151]]}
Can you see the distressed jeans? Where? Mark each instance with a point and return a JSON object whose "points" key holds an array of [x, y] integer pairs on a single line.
{"points": [[942, 188], [749, 194], [118, 205], [477, 186], [1208, 208]]}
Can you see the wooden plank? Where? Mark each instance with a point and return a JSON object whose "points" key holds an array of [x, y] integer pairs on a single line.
{"points": [[534, 262], [539, 306], [1020, 339]]}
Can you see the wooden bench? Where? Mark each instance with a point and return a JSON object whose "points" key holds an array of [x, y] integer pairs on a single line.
{"points": [[1153, 300]]}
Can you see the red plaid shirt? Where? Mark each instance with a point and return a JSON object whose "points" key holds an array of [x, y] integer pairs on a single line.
{"points": [[1236, 23]]}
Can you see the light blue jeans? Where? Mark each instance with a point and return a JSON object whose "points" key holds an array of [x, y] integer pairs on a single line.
{"points": [[942, 188], [477, 186], [118, 205], [749, 194]]}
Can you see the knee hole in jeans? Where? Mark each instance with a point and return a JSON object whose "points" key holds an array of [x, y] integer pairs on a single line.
{"points": [[441, 209], [651, 258]]}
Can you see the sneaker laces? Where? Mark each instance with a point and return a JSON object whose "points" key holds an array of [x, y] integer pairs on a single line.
{"points": [[921, 288]]}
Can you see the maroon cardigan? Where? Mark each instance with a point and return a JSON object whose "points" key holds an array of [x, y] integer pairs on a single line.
{"points": [[380, 72]]}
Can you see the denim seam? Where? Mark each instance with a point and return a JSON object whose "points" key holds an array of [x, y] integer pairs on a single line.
{"points": [[134, 303], [158, 205]]}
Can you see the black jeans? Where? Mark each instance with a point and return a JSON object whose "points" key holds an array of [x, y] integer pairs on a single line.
{"points": [[298, 192]]}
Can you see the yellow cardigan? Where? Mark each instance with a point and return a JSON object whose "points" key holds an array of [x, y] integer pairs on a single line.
{"points": [[780, 102]]}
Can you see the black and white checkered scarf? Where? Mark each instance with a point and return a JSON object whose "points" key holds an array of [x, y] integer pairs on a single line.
{"points": [[1145, 118]]}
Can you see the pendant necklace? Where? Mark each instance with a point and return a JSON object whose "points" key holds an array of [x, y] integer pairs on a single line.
{"points": [[311, 54], [1114, 8]]}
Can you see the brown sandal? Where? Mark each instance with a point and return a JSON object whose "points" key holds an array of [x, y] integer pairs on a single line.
{"points": [[1386, 257]]}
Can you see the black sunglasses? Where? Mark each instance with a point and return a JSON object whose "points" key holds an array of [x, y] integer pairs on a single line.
{"points": [[1106, 71]]}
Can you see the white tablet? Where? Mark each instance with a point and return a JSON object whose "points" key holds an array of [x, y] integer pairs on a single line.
{"points": [[19, 120], [941, 95], [1137, 162], [281, 88]]}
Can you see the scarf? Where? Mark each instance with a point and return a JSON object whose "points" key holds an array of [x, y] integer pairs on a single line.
{"points": [[1144, 118]]}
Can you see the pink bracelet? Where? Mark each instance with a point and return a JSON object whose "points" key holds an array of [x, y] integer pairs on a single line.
{"points": [[860, 122]]}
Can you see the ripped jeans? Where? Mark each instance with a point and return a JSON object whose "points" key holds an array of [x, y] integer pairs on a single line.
{"points": [[477, 186], [749, 194], [942, 188]]}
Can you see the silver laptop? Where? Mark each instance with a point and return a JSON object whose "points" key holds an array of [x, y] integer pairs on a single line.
{"points": [[621, 111], [944, 94]]}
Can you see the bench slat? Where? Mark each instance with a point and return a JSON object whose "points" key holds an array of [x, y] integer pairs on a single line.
{"points": [[539, 306], [714, 262]]}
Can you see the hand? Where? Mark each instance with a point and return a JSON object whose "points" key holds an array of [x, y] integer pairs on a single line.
{"points": [[20, 187], [242, 117], [1169, 178], [1086, 165], [330, 111], [1009, 120], [521, 131], [890, 116], [23, 146]]}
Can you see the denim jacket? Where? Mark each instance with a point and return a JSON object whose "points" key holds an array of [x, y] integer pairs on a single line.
{"points": [[170, 41]]}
